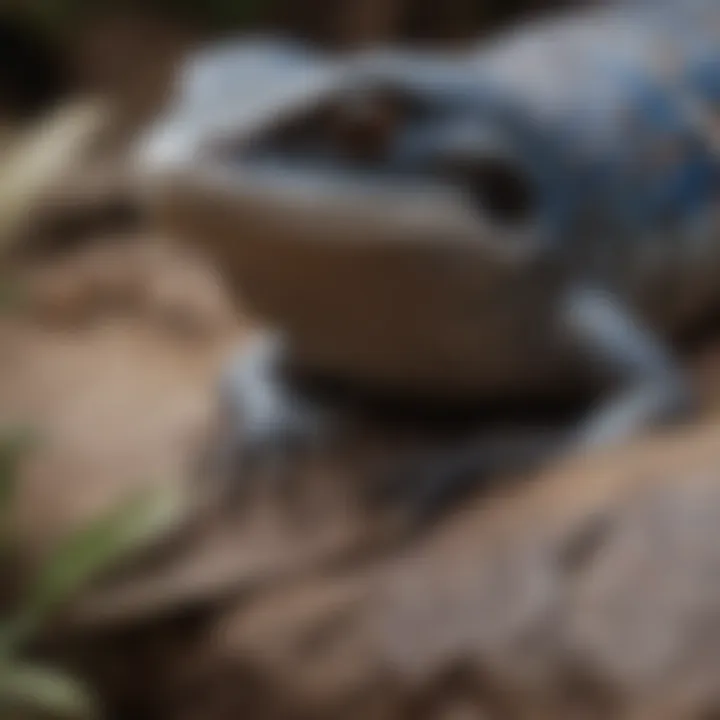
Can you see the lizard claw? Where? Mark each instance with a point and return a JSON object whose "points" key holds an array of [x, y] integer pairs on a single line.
{"points": [[259, 453], [427, 484], [266, 431], [424, 486]]}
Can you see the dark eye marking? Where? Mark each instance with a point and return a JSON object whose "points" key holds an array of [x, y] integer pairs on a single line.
{"points": [[502, 190], [498, 185]]}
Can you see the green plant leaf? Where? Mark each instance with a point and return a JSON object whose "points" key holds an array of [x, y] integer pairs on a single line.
{"points": [[94, 549], [35, 689], [13, 296], [13, 448], [10, 453], [10, 636]]}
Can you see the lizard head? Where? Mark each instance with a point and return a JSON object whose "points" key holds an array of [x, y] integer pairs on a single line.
{"points": [[382, 200]]}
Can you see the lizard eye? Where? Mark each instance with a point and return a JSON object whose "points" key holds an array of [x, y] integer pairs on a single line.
{"points": [[485, 163], [498, 184]]}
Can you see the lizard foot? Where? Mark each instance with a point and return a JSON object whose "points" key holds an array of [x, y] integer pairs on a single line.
{"points": [[425, 485], [267, 429]]}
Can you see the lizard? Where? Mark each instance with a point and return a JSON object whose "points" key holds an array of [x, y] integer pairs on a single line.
{"points": [[531, 216]]}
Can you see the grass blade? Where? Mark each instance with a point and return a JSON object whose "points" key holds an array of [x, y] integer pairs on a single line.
{"points": [[95, 548], [26, 688]]}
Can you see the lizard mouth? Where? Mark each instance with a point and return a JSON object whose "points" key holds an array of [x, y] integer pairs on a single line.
{"points": [[389, 139], [377, 166]]}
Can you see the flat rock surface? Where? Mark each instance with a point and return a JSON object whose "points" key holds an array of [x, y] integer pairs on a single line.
{"points": [[589, 591]]}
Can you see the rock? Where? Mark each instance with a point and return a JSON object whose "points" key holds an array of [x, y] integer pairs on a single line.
{"points": [[591, 590], [131, 277]]}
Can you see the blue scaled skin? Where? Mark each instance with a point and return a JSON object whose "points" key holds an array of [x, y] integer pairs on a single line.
{"points": [[575, 162]]}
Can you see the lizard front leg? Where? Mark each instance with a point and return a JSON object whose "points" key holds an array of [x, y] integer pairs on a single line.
{"points": [[267, 421], [646, 388]]}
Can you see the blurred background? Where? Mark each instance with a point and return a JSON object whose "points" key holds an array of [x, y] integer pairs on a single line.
{"points": [[591, 594], [53, 48]]}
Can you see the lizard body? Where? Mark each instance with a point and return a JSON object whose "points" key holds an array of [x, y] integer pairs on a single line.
{"points": [[534, 215]]}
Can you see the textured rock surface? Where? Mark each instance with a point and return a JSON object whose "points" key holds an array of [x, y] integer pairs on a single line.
{"points": [[590, 591]]}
